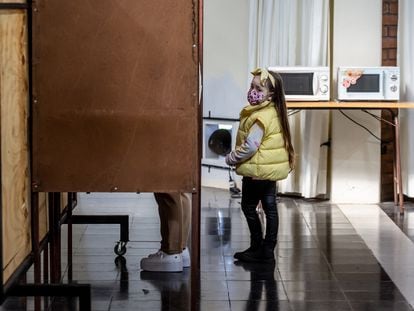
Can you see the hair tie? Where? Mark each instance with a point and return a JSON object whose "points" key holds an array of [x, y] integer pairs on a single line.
{"points": [[264, 75]]}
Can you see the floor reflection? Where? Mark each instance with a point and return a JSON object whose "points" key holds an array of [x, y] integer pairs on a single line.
{"points": [[121, 264], [173, 287], [263, 286]]}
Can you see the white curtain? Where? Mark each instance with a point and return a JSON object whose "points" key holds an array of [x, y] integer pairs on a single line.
{"points": [[406, 63], [295, 33]]}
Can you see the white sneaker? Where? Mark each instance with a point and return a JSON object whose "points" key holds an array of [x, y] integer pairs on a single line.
{"points": [[162, 262], [186, 258]]}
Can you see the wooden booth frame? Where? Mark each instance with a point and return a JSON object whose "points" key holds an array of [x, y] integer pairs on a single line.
{"points": [[16, 284], [43, 181]]}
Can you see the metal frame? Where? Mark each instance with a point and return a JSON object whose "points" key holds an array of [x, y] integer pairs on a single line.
{"points": [[398, 188], [83, 291], [122, 220], [69, 219], [58, 217]]}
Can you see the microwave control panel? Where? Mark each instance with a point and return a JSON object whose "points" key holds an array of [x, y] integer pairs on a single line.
{"points": [[392, 84], [323, 82]]}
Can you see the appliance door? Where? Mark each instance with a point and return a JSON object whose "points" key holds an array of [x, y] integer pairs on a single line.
{"points": [[366, 84], [299, 85]]}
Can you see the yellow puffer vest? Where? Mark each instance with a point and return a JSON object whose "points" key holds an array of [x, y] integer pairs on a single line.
{"points": [[271, 161]]}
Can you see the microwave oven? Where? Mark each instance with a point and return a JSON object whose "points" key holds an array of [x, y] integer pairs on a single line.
{"points": [[368, 83], [304, 83]]}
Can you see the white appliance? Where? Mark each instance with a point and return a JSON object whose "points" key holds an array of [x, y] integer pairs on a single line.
{"points": [[304, 83], [368, 83], [219, 137]]}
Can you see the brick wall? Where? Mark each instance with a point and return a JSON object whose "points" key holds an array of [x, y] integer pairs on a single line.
{"points": [[389, 32], [389, 58]]}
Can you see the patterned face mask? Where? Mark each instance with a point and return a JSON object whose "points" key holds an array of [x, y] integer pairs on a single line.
{"points": [[255, 97]]}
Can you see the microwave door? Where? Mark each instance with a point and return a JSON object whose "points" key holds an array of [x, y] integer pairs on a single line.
{"points": [[369, 86], [298, 85]]}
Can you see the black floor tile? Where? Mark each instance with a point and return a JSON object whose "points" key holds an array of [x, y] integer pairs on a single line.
{"points": [[380, 295], [403, 221], [367, 285], [357, 268], [320, 306], [209, 305], [315, 295], [306, 275], [311, 285], [259, 305], [361, 277], [256, 290], [380, 306]]}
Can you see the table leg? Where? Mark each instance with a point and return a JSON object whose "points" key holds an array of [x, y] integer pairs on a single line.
{"points": [[398, 163]]}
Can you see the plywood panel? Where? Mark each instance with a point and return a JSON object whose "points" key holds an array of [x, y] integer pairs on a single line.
{"points": [[116, 89], [14, 150]]}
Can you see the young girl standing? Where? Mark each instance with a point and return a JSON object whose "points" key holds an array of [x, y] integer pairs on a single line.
{"points": [[263, 155]]}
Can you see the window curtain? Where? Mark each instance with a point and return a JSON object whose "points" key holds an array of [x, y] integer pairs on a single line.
{"points": [[295, 33], [406, 64]]}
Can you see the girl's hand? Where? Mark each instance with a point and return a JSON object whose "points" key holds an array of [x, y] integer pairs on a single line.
{"points": [[228, 162]]}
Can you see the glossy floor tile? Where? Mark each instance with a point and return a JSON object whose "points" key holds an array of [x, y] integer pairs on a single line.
{"points": [[405, 220], [328, 258], [393, 249]]}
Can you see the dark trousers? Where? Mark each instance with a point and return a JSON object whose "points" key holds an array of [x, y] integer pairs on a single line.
{"points": [[254, 191]]}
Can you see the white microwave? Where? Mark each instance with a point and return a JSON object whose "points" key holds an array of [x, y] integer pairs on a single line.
{"points": [[368, 83], [304, 83]]}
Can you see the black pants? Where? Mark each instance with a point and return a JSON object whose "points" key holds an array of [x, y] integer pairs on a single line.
{"points": [[254, 191]]}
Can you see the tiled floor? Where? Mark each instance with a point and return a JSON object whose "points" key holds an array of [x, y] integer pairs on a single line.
{"points": [[327, 259]]}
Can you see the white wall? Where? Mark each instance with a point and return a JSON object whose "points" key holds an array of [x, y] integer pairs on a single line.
{"points": [[355, 154], [226, 31]]}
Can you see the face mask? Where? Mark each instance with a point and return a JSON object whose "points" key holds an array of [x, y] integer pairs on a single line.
{"points": [[255, 97]]}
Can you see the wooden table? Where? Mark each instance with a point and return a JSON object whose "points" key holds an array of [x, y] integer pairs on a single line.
{"points": [[398, 191]]}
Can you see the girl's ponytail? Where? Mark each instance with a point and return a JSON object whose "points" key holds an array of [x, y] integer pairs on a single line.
{"points": [[278, 98]]}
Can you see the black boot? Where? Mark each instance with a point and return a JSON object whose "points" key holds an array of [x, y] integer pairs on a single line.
{"points": [[272, 225], [255, 255], [269, 243], [255, 228], [252, 251], [268, 251]]}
